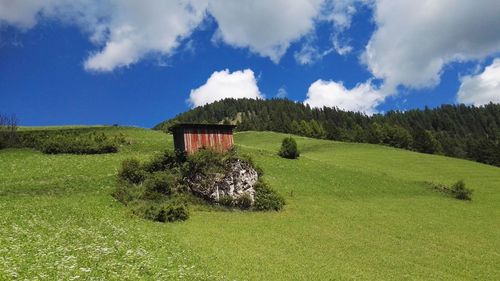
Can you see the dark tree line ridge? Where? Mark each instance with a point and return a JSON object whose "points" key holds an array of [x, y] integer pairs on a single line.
{"points": [[454, 130]]}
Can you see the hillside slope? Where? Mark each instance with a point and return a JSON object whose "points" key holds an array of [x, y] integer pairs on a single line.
{"points": [[457, 130], [354, 211]]}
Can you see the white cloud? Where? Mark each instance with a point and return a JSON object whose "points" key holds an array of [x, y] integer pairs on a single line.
{"points": [[340, 12], [127, 30], [137, 28], [309, 53], [415, 39], [363, 98], [224, 84], [266, 27], [21, 13], [282, 93], [412, 42], [482, 88], [341, 46]]}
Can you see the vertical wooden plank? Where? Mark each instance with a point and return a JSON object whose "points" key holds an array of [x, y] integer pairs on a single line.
{"points": [[219, 140], [212, 144], [187, 141], [224, 140], [192, 135], [206, 142], [198, 139], [202, 137]]}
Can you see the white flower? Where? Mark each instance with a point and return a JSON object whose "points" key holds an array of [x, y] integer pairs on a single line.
{"points": [[83, 269]]}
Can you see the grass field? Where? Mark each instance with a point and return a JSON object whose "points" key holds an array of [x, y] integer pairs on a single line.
{"points": [[354, 212]]}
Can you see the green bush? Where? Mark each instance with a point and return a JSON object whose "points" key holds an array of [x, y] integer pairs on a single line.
{"points": [[74, 141], [244, 201], [173, 212], [131, 171], [165, 161], [120, 139], [159, 189], [226, 201], [460, 191], [66, 144], [127, 193], [204, 161], [123, 194], [457, 190], [289, 149], [163, 183], [167, 212], [267, 199]]}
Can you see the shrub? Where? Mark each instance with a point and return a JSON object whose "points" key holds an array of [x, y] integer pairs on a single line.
{"points": [[127, 193], [163, 183], [226, 200], [244, 202], [457, 190], [99, 138], [204, 161], [67, 144], [74, 141], [160, 190], [460, 191], [131, 171], [120, 139], [289, 149], [167, 212], [163, 162], [123, 194], [173, 212], [267, 199]]}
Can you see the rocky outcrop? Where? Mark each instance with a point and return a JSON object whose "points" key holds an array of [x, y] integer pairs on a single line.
{"points": [[238, 179]]}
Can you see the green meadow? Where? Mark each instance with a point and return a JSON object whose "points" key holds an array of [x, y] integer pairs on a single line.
{"points": [[354, 212]]}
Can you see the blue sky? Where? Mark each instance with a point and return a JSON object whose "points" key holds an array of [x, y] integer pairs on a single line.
{"points": [[69, 62]]}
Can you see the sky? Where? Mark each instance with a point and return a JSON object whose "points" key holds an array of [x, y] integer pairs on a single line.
{"points": [[130, 62]]}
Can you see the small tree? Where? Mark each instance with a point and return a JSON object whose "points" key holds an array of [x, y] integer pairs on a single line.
{"points": [[289, 148], [460, 191], [8, 130]]}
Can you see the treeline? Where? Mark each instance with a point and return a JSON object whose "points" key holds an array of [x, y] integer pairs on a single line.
{"points": [[454, 130]]}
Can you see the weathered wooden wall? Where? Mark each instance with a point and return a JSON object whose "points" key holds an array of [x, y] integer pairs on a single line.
{"points": [[219, 139]]}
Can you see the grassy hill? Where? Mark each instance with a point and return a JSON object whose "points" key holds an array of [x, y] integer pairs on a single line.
{"points": [[354, 211]]}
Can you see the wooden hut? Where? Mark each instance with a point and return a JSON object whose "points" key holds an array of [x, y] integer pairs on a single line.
{"points": [[191, 137]]}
